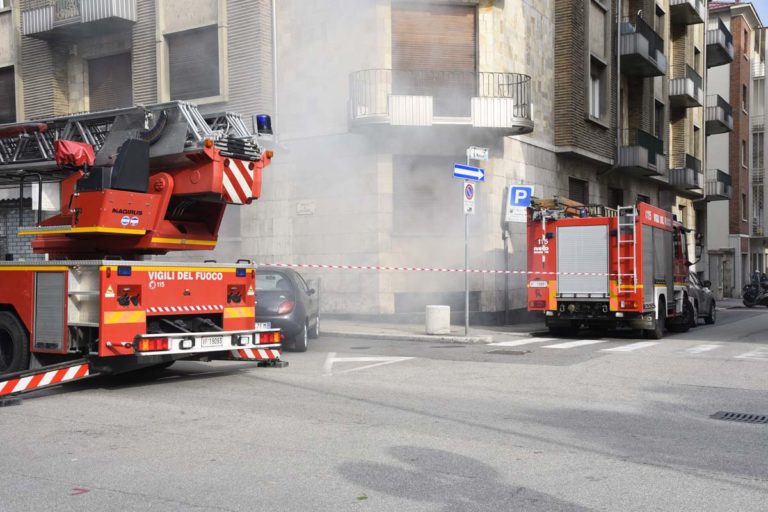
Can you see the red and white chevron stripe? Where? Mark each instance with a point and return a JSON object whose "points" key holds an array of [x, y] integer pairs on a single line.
{"points": [[238, 182], [45, 378], [255, 354], [185, 309]]}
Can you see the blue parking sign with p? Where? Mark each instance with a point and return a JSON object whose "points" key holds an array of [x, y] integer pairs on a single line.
{"points": [[520, 195]]}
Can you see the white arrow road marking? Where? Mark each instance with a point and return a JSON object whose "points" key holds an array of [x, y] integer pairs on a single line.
{"points": [[377, 361], [698, 349], [578, 343], [517, 343], [631, 347], [760, 354]]}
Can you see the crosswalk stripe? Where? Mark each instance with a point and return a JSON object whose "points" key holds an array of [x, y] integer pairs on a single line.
{"points": [[517, 343], [631, 347], [760, 354], [698, 349], [573, 344]]}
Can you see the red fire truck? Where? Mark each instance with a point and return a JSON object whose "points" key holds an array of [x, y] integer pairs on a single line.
{"points": [[133, 182], [606, 268]]}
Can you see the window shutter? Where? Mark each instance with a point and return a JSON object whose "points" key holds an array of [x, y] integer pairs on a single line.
{"points": [[193, 57], [110, 82]]}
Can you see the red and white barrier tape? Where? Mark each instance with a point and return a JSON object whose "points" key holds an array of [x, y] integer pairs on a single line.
{"points": [[427, 269]]}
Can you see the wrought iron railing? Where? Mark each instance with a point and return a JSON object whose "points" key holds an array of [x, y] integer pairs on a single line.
{"points": [[451, 90]]}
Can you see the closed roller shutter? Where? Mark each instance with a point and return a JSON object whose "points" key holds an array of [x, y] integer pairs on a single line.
{"points": [[434, 53], [193, 58], [110, 82], [7, 95]]}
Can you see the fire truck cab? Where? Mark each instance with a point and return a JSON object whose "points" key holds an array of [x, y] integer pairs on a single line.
{"points": [[604, 268]]}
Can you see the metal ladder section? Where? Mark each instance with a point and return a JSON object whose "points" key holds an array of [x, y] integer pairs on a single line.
{"points": [[26, 145], [627, 216]]}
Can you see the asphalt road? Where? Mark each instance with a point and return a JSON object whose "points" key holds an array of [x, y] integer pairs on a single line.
{"points": [[538, 423]]}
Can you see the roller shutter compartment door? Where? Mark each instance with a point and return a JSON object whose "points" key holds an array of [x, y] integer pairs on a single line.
{"points": [[110, 82], [434, 53]]}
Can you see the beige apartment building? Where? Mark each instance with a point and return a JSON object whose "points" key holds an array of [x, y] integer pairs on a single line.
{"points": [[377, 99]]}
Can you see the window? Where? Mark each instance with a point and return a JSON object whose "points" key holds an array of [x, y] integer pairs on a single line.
{"points": [[193, 63], [109, 82], [696, 142], [597, 86], [658, 121], [744, 153], [642, 198], [578, 190], [744, 97], [744, 207], [745, 43], [5, 4], [758, 158], [7, 95], [615, 197]]}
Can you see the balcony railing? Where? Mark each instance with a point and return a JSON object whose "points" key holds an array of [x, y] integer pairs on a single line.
{"points": [[719, 45], [642, 49], [758, 175], [687, 91], [718, 185], [424, 98], [719, 115], [688, 12], [758, 68], [55, 19], [641, 153], [688, 180], [758, 229]]}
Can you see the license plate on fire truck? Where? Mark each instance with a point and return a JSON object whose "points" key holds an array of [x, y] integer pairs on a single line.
{"points": [[212, 341]]}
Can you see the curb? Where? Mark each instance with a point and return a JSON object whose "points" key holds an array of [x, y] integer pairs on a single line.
{"points": [[439, 338]]}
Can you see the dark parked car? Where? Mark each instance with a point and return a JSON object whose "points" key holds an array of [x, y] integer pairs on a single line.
{"points": [[703, 299], [285, 301]]}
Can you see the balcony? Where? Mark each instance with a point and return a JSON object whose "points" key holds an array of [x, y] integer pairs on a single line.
{"points": [[688, 181], [719, 45], [641, 154], [718, 185], [758, 68], [687, 12], [757, 227], [500, 102], [758, 175], [642, 49], [687, 91], [58, 19], [719, 115]]}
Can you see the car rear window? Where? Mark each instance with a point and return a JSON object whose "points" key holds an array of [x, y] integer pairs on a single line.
{"points": [[271, 281]]}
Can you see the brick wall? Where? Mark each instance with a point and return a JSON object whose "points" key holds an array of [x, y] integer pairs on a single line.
{"points": [[10, 243], [740, 75]]}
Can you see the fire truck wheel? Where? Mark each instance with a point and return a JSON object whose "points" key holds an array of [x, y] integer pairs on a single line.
{"points": [[658, 332], [14, 345]]}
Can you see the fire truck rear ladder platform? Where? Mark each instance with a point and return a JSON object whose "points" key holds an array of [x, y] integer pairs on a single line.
{"points": [[626, 263], [14, 384]]}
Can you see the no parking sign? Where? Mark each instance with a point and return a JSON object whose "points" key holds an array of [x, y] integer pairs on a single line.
{"points": [[469, 198]]}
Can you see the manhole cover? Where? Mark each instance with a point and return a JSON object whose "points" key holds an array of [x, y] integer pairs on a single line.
{"points": [[740, 416], [510, 352]]}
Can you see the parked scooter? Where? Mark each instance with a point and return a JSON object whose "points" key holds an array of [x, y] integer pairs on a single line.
{"points": [[756, 292]]}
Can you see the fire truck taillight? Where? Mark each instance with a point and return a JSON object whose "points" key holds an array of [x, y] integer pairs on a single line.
{"points": [[628, 304], [152, 345], [269, 337]]}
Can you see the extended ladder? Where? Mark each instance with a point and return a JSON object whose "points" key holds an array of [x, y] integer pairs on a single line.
{"points": [[627, 216]]}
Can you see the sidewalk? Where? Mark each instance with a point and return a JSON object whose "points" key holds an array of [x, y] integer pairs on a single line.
{"points": [[417, 332]]}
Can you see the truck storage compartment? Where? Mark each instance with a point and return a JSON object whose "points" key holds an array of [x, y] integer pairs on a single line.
{"points": [[581, 251]]}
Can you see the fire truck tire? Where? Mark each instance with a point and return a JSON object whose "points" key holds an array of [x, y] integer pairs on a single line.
{"points": [[710, 319], [14, 345], [658, 332]]}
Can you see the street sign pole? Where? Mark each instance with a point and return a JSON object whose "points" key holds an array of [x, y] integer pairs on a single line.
{"points": [[466, 268]]}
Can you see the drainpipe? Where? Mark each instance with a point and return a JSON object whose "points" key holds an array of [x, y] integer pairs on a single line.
{"points": [[618, 94], [275, 111]]}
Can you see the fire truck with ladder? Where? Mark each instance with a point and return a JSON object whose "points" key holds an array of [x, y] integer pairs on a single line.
{"points": [[132, 183], [605, 268]]}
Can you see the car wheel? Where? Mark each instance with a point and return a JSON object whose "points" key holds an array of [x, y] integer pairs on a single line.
{"points": [[710, 319], [301, 340], [315, 332], [14, 347]]}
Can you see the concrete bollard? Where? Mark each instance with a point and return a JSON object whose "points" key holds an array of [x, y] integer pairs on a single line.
{"points": [[438, 320]]}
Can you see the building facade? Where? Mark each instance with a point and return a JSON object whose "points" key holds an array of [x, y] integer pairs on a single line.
{"points": [[730, 222], [757, 116]]}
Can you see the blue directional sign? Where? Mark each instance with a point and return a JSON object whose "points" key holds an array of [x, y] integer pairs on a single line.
{"points": [[520, 195], [467, 172]]}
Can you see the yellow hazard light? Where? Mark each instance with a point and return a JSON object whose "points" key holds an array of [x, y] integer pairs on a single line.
{"points": [[269, 154], [208, 143]]}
